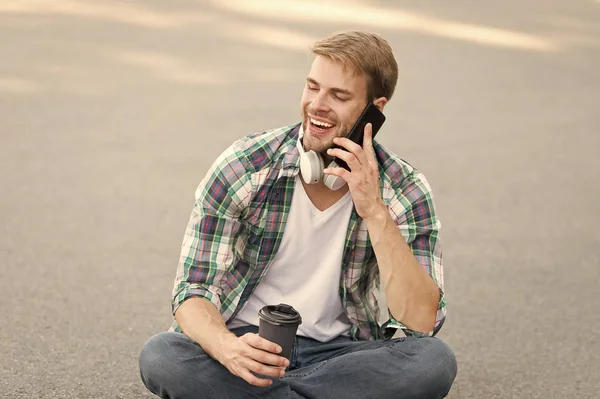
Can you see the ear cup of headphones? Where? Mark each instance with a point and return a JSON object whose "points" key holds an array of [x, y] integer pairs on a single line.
{"points": [[333, 182], [311, 167]]}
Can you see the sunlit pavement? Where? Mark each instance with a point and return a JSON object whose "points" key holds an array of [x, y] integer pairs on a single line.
{"points": [[111, 112]]}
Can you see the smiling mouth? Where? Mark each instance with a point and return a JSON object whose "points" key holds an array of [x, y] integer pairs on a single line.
{"points": [[320, 126]]}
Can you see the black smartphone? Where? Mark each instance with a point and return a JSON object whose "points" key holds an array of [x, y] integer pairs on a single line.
{"points": [[371, 114]]}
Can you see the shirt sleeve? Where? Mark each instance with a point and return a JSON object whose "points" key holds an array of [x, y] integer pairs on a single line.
{"points": [[414, 214], [207, 249]]}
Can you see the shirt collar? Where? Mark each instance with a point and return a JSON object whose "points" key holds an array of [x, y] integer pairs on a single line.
{"points": [[291, 159]]}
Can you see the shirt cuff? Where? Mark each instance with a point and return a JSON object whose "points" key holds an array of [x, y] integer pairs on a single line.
{"points": [[390, 327], [210, 293]]}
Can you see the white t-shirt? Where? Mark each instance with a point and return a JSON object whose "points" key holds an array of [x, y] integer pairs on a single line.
{"points": [[306, 270]]}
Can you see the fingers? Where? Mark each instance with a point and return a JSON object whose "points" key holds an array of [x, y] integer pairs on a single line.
{"points": [[258, 342], [341, 172], [264, 370], [346, 156], [347, 144], [254, 380], [267, 358], [263, 351], [355, 149], [352, 149], [256, 355], [368, 138], [249, 369], [368, 145]]}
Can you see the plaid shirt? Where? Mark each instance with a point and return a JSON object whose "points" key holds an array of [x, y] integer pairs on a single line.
{"points": [[239, 216]]}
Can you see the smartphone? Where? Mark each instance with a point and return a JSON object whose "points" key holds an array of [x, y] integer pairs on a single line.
{"points": [[371, 114]]}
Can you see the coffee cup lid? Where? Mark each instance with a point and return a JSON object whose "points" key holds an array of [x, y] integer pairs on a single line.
{"points": [[282, 314]]}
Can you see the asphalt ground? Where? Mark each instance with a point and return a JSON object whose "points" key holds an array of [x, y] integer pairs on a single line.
{"points": [[111, 113]]}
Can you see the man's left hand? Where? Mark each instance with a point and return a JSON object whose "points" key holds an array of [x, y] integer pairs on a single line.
{"points": [[363, 178]]}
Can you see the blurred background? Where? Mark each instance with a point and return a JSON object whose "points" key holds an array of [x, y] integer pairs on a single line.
{"points": [[111, 113]]}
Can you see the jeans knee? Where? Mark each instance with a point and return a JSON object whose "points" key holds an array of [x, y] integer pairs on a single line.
{"points": [[154, 360], [441, 366]]}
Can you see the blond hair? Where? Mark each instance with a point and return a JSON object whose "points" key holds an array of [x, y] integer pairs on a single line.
{"points": [[366, 53]]}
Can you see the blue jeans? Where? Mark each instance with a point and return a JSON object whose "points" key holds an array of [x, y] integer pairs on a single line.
{"points": [[173, 366]]}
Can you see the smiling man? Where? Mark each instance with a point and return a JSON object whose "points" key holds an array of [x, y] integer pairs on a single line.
{"points": [[261, 233]]}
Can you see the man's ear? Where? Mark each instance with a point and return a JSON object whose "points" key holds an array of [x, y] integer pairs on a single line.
{"points": [[380, 103]]}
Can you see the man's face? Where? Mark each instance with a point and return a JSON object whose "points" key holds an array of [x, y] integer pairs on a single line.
{"points": [[332, 101]]}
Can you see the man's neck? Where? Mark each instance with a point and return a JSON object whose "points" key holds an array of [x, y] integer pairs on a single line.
{"points": [[321, 196]]}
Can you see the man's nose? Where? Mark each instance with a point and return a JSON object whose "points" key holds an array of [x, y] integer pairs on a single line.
{"points": [[320, 103]]}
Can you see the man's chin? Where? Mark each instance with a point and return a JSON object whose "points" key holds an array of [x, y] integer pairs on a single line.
{"points": [[316, 144]]}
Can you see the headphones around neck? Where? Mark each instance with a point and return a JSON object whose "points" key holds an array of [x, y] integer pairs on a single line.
{"points": [[312, 165]]}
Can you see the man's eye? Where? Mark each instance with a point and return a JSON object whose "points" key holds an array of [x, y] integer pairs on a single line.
{"points": [[342, 99], [312, 88]]}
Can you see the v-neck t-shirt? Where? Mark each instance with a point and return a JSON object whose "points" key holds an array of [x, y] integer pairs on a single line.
{"points": [[307, 269]]}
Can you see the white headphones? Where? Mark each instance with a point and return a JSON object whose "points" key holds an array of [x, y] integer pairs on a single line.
{"points": [[312, 165]]}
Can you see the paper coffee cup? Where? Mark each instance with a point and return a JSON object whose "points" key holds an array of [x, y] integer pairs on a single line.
{"points": [[279, 323]]}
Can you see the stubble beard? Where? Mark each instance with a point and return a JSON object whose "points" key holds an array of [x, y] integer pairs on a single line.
{"points": [[312, 144]]}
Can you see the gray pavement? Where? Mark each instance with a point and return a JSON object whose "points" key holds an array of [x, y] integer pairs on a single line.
{"points": [[112, 111]]}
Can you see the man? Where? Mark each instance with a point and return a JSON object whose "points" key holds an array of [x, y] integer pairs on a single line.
{"points": [[259, 235]]}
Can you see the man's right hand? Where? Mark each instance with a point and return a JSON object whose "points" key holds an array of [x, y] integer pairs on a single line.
{"points": [[252, 353]]}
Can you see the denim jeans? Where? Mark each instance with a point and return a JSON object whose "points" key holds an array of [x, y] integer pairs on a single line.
{"points": [[173, 366]]}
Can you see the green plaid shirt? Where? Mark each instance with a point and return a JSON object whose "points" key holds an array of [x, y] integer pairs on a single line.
{"points": [[239, 216]]}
